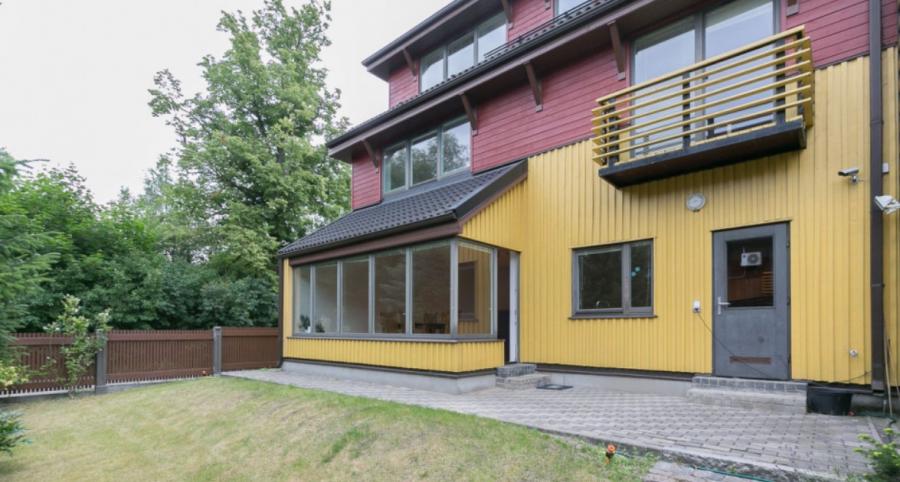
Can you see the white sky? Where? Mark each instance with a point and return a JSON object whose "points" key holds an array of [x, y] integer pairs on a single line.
{"points": [[74, 74]]}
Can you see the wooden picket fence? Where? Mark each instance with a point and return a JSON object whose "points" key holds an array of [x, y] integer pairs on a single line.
{"points": [[147, 355]]}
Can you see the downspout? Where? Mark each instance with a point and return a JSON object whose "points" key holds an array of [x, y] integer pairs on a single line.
{"points": [[876, 241]]}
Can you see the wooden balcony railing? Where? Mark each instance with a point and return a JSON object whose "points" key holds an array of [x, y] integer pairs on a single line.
{"points": [[761, 85]]}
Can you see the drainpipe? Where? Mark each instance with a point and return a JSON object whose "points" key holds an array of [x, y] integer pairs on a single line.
{"points": [[876, 242]]}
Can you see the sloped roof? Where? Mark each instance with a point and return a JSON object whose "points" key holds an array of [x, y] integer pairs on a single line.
{"points": [[444, 202]]}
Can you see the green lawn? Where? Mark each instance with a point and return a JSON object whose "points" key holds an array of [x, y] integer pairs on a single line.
{"points": [[230, 429]]}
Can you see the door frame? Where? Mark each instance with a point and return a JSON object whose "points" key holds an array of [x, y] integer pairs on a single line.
{"points": [[713, 305], [513, 338]]}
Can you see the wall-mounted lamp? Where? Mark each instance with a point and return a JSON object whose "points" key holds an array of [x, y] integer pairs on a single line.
{"points": [[887, 204]]}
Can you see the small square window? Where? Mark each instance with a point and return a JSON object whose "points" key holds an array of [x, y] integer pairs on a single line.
{"points": [[613, 280]]}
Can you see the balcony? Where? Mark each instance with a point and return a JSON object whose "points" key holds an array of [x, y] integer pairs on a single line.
{"points": [[744, 104]]}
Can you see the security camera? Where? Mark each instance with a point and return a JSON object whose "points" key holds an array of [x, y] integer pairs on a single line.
{"points": [[851, 172], [887, 204]]}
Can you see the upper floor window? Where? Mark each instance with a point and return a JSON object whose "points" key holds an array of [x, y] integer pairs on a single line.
{"points": [[462, 53], [563, 6], [693, 39], [442, 151]]}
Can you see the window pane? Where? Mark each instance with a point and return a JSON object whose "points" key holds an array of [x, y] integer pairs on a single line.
{"points": [[729, 27], [657, 54], [424, 155], [474, 295], [641, 275], [563, 6], [456, 146], [325, 316], [395, 168], [432, 71], [302, 300], [355, 297], [750, 273], [390, 292], [600, 280], [491, 35], [460, 55], [431, 289]]}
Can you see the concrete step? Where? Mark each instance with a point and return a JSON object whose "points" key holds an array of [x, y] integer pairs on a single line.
{"points": [[774, 396], [523, 382], [515, 370]]}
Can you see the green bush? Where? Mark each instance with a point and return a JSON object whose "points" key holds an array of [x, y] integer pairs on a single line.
{"points": [[11, 431], [884, 458]]}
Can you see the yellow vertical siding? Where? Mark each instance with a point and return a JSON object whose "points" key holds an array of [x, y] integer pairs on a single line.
{"points": [[287, 296], [564, 205], [501, 223], [891, 88], [453, 357]]}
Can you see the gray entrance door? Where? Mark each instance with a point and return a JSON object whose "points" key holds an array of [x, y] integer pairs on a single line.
{"points": [[750, 302]]}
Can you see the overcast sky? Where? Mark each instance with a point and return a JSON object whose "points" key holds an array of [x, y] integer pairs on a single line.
{"points": [[74, 74]]}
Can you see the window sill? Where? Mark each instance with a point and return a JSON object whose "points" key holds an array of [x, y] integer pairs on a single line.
{"points": [[395, 338], [612, 316]]}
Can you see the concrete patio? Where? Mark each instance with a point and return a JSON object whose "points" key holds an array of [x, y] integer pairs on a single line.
{"points": [[775, 446]]}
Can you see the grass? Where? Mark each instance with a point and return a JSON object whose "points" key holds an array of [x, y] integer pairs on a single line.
{"points": [[231, 429]]}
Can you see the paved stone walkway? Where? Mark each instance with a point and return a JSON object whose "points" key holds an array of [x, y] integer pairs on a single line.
{"points": [[771, 445]]}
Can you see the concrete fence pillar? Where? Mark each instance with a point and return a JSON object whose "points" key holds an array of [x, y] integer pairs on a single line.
{"points": [[100, 363], [217, 350]]}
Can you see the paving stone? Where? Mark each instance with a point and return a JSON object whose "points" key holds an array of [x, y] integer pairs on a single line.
{"points": [[803, 446]]}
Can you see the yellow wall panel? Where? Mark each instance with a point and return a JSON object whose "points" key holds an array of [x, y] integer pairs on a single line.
{"points": [[564, 205], [454, 357]]}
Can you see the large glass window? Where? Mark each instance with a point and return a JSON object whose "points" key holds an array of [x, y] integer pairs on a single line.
{"points": [[432, 71], [302, 300], [431, 289], [402, 292], [355, 296], [691, 40], [475, 292], [462, 53], [613, 280], [456, 146], [563, 6], [426, 158], [325, 305], [390, 292], [395, 168], [491, 35]]}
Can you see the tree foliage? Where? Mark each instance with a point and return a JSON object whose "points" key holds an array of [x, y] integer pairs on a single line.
{"points": [[196, 248]]}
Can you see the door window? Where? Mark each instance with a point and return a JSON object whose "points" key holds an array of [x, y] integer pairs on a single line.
{"points": [[751, 281]]}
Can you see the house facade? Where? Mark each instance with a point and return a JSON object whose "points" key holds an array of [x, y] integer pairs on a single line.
{"points": [[646, 189]]}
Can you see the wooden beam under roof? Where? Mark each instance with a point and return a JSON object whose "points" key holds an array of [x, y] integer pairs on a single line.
{"points": [[618, 49], [471, 113], [507, 10], [373, 155], [409, 62], [536, 88]]}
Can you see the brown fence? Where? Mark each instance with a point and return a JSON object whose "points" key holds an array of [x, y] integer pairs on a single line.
{"points": [[135, 356]]}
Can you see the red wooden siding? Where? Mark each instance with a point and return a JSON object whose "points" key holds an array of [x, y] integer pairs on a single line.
{"points": [[365, 187], [509, 128], [402, 85], [528, 14], [839, 29]]}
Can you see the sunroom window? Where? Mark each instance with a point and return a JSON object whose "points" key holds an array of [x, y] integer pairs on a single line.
{"points": [[462, 53], [438, 289], [428, 157]]}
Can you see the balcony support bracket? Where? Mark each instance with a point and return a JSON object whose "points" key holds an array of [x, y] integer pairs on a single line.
{"points": [[471, 113], [409, 62], [372, 154], [618, 49], [536, 88]]}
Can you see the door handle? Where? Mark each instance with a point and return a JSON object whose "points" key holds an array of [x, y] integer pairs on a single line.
{"points": [[721, 304]]}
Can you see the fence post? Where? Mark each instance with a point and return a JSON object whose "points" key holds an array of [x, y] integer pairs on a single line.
{"points": [[217, 350], [100, 364]]}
